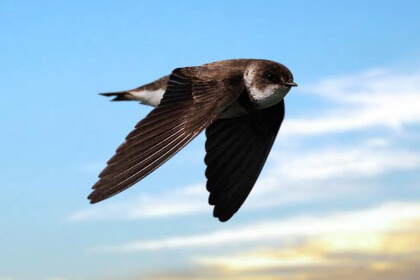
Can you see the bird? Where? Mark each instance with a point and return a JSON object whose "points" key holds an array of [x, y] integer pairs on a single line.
{"points": [[240, 105]]}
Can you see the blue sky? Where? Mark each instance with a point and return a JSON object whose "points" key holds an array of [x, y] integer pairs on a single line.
{"points": [[347, 151]]}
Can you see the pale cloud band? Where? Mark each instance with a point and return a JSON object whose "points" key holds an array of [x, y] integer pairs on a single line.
{"points": [[373, 98], [282, 183], [390, 217]]}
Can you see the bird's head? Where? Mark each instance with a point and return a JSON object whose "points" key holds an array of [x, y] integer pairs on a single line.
{"points": [[267, 82]]}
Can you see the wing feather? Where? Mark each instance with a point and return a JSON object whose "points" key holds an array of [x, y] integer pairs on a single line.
{"points": [[237, 149], [189, 105]]}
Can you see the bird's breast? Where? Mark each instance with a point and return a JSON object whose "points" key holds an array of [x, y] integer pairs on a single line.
{"points": [[268, 98]]}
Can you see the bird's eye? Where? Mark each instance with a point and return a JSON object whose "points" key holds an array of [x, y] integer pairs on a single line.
{"points": [[271, 77]]}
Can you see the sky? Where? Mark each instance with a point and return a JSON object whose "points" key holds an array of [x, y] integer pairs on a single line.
{"points": [[339, 195]]}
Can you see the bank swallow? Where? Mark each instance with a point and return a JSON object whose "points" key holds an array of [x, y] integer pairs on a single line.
{"points": [[239, 102]]}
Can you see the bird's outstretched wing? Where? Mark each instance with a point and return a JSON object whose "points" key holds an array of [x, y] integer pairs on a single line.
{"points": [[237, 149], [190, 104]]}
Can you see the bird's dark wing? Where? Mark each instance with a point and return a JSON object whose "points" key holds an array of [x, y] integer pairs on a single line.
{"points": [[189, 105], [237, 149]]}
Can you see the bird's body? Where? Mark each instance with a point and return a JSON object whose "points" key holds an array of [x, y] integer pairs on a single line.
{"points": [[240, 104]]}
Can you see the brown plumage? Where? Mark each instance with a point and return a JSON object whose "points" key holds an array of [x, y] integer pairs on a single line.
{"points": [[232, 99]]}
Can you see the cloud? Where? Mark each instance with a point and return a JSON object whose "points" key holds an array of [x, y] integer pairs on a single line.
{"points": [[381, 256], [374, 98], [328, 250], [348, 162], [380, 252], [177, 202], [380, 243], [330, 172], [386, 218], [327, 173]]}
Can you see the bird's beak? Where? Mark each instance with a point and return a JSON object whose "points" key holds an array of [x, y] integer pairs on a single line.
{"points": [[291, 84]]}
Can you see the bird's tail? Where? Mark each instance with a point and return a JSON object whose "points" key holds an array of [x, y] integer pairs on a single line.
{"points": [[147, 97], [120, 96], [149, 94]]}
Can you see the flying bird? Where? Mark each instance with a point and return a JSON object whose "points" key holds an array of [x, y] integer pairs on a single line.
{"points": [[239, 102]]}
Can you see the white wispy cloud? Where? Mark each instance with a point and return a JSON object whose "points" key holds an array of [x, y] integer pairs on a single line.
{"points": [[347, 162], [396, 216], [371, 253], [374, 98], [327, 173], [177, 202], [286, 181]]}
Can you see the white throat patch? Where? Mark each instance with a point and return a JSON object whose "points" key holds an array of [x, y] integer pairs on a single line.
{"points": [[266, 97]]}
